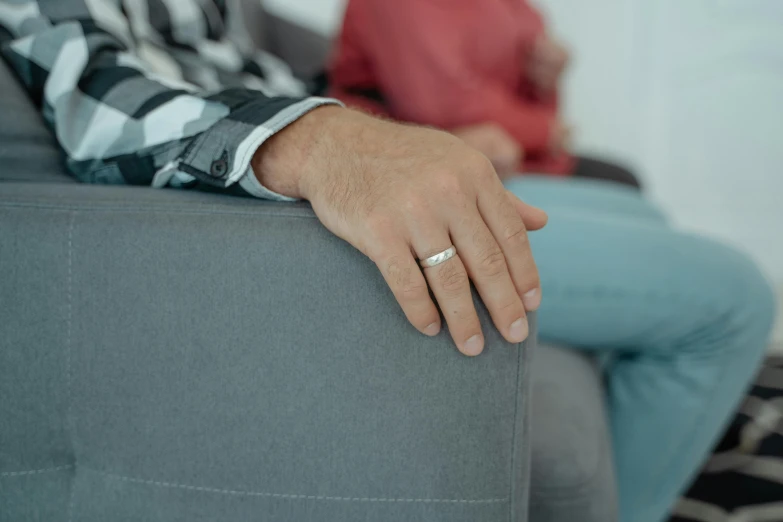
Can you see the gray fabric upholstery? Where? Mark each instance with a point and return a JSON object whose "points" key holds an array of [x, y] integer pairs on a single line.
{"points": [[573, 471], [304, 50], [176, 356], [23, 136]]}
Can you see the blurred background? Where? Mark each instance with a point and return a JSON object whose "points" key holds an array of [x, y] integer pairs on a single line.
{"points": [[689, 93]]}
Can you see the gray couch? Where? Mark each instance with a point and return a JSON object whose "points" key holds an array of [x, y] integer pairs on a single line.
{"points": [[169, 355]]}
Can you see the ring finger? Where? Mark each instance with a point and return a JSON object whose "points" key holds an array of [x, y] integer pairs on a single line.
{"points": [[450, 284]]}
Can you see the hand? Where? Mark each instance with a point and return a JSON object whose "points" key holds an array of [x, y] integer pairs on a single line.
{"points": [[546, 64], [398, 193], [559, 138], [496, 144]]}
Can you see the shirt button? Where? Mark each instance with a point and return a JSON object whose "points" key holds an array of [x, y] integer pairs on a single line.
{"points": [[219, 167]]}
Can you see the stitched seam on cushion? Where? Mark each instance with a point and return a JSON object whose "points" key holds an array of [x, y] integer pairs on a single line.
{"points": [[527, 384], [71, 427], [69, 325], [514, 442], [34, 471], [291, 496], [159, 208]]}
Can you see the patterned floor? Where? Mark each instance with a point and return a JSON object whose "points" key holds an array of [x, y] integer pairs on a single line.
{"points": [[743, 480]]}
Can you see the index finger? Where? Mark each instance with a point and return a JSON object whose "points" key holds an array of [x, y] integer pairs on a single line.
{"points": [[505, 223]]}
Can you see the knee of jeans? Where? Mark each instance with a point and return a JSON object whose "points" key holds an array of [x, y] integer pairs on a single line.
{"points": [[746, 303]]}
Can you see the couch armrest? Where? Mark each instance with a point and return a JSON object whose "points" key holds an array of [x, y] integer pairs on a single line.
{"points": [[191, 356]]}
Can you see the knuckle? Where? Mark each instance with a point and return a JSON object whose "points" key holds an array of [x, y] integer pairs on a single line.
{"points": [[449, 185], [412, 288], [492, 263], [374, 248], [510, 305], [453, 280], [413, 201], [379, 223], [415, 206], [481, 167], [528, 281], [516, 233], [420, 321], [507, 211], [469, 325], [401, 276], [532, 283]]}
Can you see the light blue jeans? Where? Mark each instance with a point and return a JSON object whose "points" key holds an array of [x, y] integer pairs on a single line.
{"points": [[683, 321]]}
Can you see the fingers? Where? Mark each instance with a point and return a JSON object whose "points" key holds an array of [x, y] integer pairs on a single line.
{"points": [[403, 275], [506, 159], [533, 217], [506, 166], [503, 219], [450, 285], [486, 265]]}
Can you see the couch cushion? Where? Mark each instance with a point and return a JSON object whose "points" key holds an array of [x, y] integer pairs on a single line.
{"points": [[573, 471], [28, 150]]}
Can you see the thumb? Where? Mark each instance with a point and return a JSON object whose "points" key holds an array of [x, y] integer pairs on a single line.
{"points": [[533, 217]]}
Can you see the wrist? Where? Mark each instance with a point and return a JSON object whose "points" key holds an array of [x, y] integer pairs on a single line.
{"points": [[285, 162]]}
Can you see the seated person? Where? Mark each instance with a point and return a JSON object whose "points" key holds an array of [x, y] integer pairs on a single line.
{"points": [[485, 70]]}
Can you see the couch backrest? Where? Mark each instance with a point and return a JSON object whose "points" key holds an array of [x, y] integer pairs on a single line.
{"points": [[306, 51], [28, 151]]}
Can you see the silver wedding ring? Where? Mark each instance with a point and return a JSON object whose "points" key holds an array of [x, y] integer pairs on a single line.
{"points": [[438, 258]]}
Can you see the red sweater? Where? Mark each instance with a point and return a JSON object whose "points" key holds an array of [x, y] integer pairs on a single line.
{"points": [[448, 63]]}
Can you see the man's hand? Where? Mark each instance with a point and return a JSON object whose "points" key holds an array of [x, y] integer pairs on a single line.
{"points": [[546, 64], [398, 193], [496, 144]]}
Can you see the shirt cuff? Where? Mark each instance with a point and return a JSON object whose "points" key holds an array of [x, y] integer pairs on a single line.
{"points": [[249, 182], [281, 120], [221, 156]]}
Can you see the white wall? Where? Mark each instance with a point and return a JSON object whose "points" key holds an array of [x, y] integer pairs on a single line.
{"points": [[688, 92]]}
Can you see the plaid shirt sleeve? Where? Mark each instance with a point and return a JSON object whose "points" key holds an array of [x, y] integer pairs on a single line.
{"points": [[120, 120]]}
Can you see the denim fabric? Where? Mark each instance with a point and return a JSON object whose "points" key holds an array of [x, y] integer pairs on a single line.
{"points": [[682, 320]]}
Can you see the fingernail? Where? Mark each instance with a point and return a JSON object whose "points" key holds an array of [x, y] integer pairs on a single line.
{"points": [[532, 300], [518, 330], [473, 346], [432, 329]]}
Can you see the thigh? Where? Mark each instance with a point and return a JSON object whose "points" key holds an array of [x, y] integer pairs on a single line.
{"points": [[585, 195], [610, 283]]}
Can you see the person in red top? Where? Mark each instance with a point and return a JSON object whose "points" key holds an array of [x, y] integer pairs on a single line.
{"points": [[485, 70]]}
